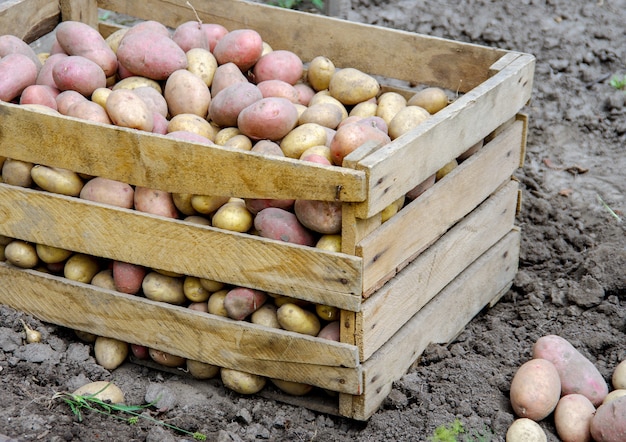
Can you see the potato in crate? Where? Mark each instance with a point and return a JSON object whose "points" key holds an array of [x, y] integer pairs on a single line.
{"points": [[308, 225]]}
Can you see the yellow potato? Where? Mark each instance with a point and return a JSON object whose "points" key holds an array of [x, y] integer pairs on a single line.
{"points": [[242, 382], [294, 318], [52, 255], [192, 123], [103, 390], [198, 219], [389, 104], [327, 312], [136, 82], [194, 291], [392, 209], [525, 430], [202, 62], [114, 39], [446, 169], [207, 204], [364, 109], [321, 150], [292, 388], [17, 173], [331, 242], [85, 336], [211, 285], [240, 142], [266, 316], [182, 201], [21, 254], [100, 96], [406, 120], [166, 359], [186, 93], [216, 303], [81, 267], [109, 352], [301, 138], [163, 288], [127, 109], [324, 97], [233, 216], [104, 279], [433, 99], [324, 114], [225, 134], [202, 370], [618, 378], [351, 86], [320, 71]]}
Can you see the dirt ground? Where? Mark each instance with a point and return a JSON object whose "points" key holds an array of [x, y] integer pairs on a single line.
{"points": [[571, 282]]}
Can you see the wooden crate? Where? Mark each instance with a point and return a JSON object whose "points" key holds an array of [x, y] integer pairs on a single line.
{"points": [[453, 249]]}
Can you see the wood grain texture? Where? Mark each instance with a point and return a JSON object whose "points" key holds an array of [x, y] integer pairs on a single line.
{"points": [[180, 331], [130, 236], [466, 296], [28, 19], [85, 11]]}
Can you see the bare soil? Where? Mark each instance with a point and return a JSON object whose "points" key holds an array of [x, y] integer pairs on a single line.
{"points": [[571, 282]]}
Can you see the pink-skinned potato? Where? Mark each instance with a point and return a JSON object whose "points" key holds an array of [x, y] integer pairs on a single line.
{"points": [[279, 88], [90, 111], [269, 118], [10, 44], [151, 54], [45, 73], [190, 35], [241, 302], [67, 99], [349, 137], [320, 216], [17, 72], [577, 373], [572, 418], [279, 65], [242, 47], [535, 389], [226, 106], [148, 25], [330, 331], [226, 75], [186, 93], [77, 38], [282, 225], [107, 191], [154, 201], [192, 137], [609, 422], [128, 277], [40, 94], [255, 205], [214, 32], [78, 74]]}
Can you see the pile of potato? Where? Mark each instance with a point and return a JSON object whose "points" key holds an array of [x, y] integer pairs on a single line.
{"points": [[204, 84], [561, 381]]}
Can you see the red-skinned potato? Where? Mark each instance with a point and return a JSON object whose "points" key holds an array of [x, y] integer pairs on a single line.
{"points": [[148, 25], [535, 389], [320, 216], [305, 93], [77, 38], [17, 72], [226, 75], [279, 88], [40, 94], [150, 54], [330, 331], [214, 33], [154, 201], [106, 191], [79, 74], [577, 373], [269, 118], [45, 73], [278, 65], [351, 136], [226, 106], [66, 99], [609, 422], [279, 224], [140, 351], [242, 47], [89, 111], [10, 44], [189, 35], [422, 187], [241, 302], [128, 277]]}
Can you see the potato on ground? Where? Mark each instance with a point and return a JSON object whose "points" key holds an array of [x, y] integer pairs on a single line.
{"points": [[202, 370], [103, 390], [609, 422], [535, 389], [110, 353], [282, 225], [572, 418], [525, 430], [242, 382], [241, 302]]}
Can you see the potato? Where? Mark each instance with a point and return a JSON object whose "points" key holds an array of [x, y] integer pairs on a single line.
{"points": [[577, 373], [194, 291], [202, 370], [268, 147], [226, 75], [323, 114], [242, 382], [150, 54], [21, 254], [226, 106], [208, 204], [351, 86], [327, 312], [225, 134], [51, 254], [331, 243], [186, 93], [103, 390], [265, 316], [17, 173], [618, 379], [154, 201], [128, 277], [330, 331], [189, 35], [140, 351], [10, 44], [166, 359], [279, 224], [17, 72], [525, 430], [269, 118], [280, 300], [190, 122], [78, 74], [406, 120], [350, 137], [81, 267], [243, 47], [422, 187], [296, 319], [446, 169], [279, 88], [136, 82], [278, 65], [535, 389], [572, 418], [292, 388], [321, 69], [201, 62], [114, 39], [240, 142], [44, 77], [433, 99], [106, 191], [85, 336], [77, 38], [199, 306], [305, 93], [163, 288], [40, 94], [104, 279], [216, 303], [389, 104], [126, 109], [241, 302], [614, 395], [609, 422], [182, 201], [233, 216], [153, 99], [214, 33], [67, 99], [301, 138], [190, 137], [320, 98], [109, 352], [90, 111], [392, 209], [364, 109], [148, 25], [57, 180], [321, 151], [320, 216], [211, 285]]}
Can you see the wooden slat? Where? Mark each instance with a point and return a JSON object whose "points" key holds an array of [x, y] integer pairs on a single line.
{"points": [[407, 161], [426, 218], [190, 249], [465, 297], [424, 59], [158, 162], [181, 331], [85, 11], [28, 19], [431, 271]]}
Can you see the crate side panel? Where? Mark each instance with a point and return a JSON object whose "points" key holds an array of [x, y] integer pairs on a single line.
{"points": [[431, 271], [29, 19], [466, 296], [426, 218], [151, 241], [158, 162], [180, 331], [428, 60], [407, 161]]}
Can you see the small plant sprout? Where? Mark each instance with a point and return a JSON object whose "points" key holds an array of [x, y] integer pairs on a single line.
{"points": [[448, 433], [608, 208], [618, 82], [291, 4], [79, 403]]}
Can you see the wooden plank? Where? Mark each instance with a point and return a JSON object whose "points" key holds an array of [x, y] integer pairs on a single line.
{"points": [[432, 270], [400, 165], [466, 296], [85, 11], [155, 161], [130, 236], [181, 331], [426, 218], [427, 60], [28, 19]]}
